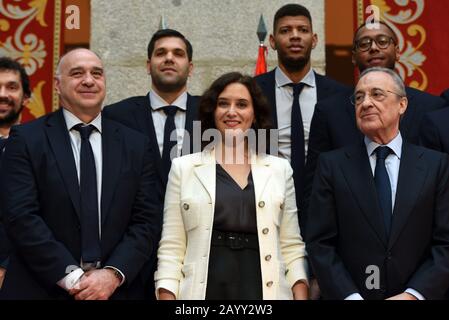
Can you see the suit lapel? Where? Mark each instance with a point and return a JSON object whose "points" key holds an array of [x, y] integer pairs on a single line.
{"points": [[205, 171], [358, 174], [145, 121], [322, 88], [412, 174], [58, 136], [268, 85], [112, 158], [191, 115], [260, 175]]}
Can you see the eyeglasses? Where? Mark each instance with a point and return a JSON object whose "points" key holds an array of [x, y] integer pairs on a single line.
{"points": [[365, 43], [375, 94]]}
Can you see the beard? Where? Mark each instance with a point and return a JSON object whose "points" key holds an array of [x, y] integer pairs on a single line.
{"points": [[11, 117], [295, 64], [168, 85]]}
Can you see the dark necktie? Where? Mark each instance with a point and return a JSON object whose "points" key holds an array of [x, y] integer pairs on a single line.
{"points": [[90, 238], [2, 145], [297, 136], [169, 127], [383, 186]]}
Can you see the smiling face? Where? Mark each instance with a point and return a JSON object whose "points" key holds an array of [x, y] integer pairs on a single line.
{"points": [[379, 120], [81, 83], [375, 56], [169, 65], [293, 39], [12, 98], [234, 112]]}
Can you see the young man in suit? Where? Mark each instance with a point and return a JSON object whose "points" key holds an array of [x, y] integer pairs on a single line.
{"points": [[334, 124], [293, 88], [380, 207], [168, 105], [78, 196], [15, 93]]}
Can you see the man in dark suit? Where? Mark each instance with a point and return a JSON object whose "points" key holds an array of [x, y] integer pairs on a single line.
{"points": [[293, 88], [14, 95], [334, 125], [380, 207], [434, 131], [78, 196], [170, 65]]}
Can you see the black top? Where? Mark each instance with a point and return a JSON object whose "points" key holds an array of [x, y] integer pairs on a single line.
{"points": [[235, 208]]}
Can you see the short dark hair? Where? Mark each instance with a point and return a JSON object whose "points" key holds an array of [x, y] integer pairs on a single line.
{"points": [[165, 33], [208, 102], [395, 37], [8, 64], [291, 10]]}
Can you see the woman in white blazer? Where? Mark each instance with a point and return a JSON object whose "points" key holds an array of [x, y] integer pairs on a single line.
{"points": [[230, 228]]}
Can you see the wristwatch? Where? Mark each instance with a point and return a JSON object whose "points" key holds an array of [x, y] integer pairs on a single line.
{"points": [[117, 274]]}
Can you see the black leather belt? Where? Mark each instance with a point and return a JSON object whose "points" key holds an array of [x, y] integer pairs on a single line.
{"points": [[235, 240]]}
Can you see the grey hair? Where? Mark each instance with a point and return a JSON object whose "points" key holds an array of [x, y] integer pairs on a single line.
{"points": [[396, 78]]}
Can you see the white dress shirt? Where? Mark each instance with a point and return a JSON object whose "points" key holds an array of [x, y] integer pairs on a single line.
{"points": [[284, 102], [392, 164], [69, 281], [159, 118]]}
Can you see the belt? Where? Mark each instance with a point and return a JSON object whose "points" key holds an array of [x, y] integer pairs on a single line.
{"points": [[235, 240]]}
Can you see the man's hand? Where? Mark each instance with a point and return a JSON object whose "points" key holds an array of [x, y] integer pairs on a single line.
{"points": [[300, 291], [2, 276], [96, 285], [403, 296]]}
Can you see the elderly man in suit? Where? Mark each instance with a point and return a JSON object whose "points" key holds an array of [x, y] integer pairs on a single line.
{"points": [[78, 196], [379, 209]]}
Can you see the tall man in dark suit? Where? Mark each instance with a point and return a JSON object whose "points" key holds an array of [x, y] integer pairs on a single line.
{"points": [[334, 125], [168, 105], [14, 95], [293, 88], [78, 196], [379, 208]]}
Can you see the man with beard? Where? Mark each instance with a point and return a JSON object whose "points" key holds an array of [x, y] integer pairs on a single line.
{"points": [[166, 108], [293, 88], [14, 95]]}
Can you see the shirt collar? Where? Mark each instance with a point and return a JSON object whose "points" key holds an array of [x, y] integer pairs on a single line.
{"points": [[282, 79], [71, 120], [395, 145], [157, 102]]}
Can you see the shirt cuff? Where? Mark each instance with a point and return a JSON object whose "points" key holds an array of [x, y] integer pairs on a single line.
{"points": [[415, 293], [71, 280], [354, 296], [121, 273]]}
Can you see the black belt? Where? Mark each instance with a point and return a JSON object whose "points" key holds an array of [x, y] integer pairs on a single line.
{"points": [[235, 240]]}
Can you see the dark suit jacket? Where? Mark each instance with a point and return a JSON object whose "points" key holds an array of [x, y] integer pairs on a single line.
{"points": [[445, 96], [345, 231], [40, 202], [434, 131], [334, 126], [135, 112], [4, 241], [325, 86]]}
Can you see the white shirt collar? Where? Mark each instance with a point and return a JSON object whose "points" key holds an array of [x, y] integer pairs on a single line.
{"points": [[157, 102], [282, 79], [395, 145], [71, 120]]}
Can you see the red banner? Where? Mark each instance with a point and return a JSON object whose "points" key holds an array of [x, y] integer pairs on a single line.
{"points": [[421, 27], [30, 32]]}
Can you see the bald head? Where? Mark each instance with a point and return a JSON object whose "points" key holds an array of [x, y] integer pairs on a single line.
{"points": [[72, 52]]}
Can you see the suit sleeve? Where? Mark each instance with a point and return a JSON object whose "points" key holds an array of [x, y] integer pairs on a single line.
{"points": [[173, 243], [428, 134], [143, 230], [43, 254], [322, 236], [432, 277]]}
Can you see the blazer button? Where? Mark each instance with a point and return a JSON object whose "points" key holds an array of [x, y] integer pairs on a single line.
{"points": [[282, 206], [268, 257], [265, 231], [269, 284], [186, 206], [261, 204]]}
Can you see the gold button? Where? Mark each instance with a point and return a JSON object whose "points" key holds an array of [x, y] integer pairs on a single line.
{"points": [[265, 231], [261, 204], [186, 206], [269, 284], [282, 206], [268, 257]]}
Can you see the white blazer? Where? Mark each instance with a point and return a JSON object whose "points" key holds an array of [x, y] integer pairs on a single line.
{"points": [[183, 254]]}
